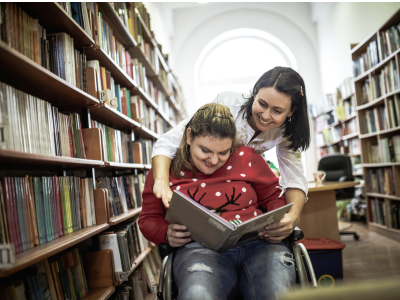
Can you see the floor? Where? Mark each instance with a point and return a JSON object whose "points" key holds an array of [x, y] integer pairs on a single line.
{"points": [[371, 257]]}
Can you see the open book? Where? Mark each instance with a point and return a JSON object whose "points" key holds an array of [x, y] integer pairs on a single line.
{"points": [[213, 231]]}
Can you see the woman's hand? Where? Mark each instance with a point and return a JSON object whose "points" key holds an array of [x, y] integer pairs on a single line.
{"points": [[276, 232], [162, 190], [177, 235]]}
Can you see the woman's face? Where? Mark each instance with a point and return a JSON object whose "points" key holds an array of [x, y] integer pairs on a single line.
{"points": [[270, 109], [208, 153]]}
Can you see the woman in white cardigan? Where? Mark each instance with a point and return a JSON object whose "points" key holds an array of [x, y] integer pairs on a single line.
{"points": [[275, 114]]}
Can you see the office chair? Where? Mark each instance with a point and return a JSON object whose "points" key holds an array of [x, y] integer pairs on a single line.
{"points": [[338, 168], [297, 250]]}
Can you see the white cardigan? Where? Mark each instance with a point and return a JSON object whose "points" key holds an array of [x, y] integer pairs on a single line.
{"points": [[290, 165]]}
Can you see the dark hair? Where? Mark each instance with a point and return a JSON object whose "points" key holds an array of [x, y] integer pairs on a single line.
{"points": [[289, 82], [211, 119]]}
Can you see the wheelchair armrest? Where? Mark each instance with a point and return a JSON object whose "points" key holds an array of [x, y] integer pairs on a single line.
{"points": [[296, 235]]}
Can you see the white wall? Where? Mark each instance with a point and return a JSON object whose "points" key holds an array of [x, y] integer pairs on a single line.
{"points": [[338, 26]]}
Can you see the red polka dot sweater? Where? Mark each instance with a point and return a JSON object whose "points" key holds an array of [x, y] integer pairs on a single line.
{"points": [[237, 191]]}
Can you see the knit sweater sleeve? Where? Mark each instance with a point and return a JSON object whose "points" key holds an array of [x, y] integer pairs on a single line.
{"points": [[266, 184], [151, 220]]}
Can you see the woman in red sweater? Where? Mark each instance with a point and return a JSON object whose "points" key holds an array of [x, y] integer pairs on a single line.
{"points": [[233, 182]]}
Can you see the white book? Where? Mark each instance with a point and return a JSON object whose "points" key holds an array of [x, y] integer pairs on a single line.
{"points": [[396, 146], [110, 241], [90, 183]]}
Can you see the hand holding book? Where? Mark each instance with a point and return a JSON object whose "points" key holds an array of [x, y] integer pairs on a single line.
{"points": [[177, 235]]}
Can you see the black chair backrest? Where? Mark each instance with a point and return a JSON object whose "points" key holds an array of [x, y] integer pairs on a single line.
{"points": [[338, 168]]}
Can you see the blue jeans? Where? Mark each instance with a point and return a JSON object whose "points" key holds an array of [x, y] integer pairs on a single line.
{"points": [[257, 270]]}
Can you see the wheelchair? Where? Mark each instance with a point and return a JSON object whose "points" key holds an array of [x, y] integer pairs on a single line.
{"points": [[298, 250]]}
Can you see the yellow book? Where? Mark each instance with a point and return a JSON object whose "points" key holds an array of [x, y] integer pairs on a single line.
{"points": [[67, 205]]}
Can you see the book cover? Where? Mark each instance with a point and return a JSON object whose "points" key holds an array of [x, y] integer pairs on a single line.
{"points": [[214, 232], [109, 241]]}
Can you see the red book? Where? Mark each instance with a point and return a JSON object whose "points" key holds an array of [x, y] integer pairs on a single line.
{"points": [[124, 107], [128, 64], [15, 216]]}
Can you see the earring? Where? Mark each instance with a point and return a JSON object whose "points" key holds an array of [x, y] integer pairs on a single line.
{"points": [[290, 119]]}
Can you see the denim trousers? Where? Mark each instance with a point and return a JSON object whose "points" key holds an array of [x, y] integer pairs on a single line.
{"points": [[257, 270]]}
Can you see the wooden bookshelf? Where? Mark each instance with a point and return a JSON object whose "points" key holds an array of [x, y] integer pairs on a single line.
{"points": [[24, 74], [42, 83], [377, 137], [55, 19], [125, 216], [36, 254], [137, 262], [15, 159], [102, 293]]}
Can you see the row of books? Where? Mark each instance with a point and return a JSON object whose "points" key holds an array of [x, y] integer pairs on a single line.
{"points": [[37, 210], [332, 149], [59, 277], [353, 146], [55, 51], [389, 149], [124, 192], [32, 125], [375, 119], [381, 84], [127, 242], [346, 89], [328, 136], [394, 111], [83, 13], [142, 281], [380, 181], [346, 108], [350, 127], [367, 60], [390, 40], [356, 163], [327, 102], [323, 121], [377, 210], [394, 214]]}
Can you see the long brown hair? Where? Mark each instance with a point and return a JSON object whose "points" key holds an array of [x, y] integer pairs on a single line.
{"points": [[210, 120]]}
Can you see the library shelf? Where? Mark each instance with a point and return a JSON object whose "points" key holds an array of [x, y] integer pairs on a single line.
{"points": [[55, 19], [392, 197], [371, 104], [38, 253], [137, 262], [175, 104], [362, 46], [122, 33], [358, 173], [325, 112], [14, 159], [146, 97], [136, 52], [329, 126], [350, 136], [115, 165], [102, 293], [368, 135], [161, 85], [145, 132], [377, 66], [162, 60], [384, 230], [43, 83], [380, 165], [330, 144], [108, 116], [120, 218], [348, 118], [148, 167], [96, 53], [170, 123]]}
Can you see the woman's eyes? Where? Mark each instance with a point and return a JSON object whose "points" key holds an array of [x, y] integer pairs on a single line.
{"points": [[278, 112]]}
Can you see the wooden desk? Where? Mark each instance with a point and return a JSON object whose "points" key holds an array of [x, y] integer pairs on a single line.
{"points": [[319, 218]]}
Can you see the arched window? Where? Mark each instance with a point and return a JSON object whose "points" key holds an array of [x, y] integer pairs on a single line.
{"points": [[234, 60]]}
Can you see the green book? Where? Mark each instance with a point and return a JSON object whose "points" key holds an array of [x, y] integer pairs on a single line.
{"points": [[128, 103], [47, 207], [39, 210]]}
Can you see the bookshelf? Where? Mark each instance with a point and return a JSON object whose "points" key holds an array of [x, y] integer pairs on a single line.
{"points": [[161, 93], [377, 91]]}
